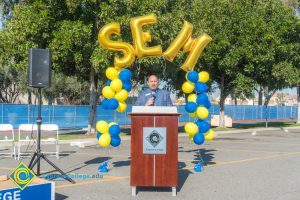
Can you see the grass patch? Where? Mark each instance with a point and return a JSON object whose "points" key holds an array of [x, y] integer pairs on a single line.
{"points": [[76, 136], [82, 136], [73, 135]]}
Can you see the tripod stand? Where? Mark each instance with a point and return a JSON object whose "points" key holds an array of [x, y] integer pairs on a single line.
{"points": [[36, 158]]}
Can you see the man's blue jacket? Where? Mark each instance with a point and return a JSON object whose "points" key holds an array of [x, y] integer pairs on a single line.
{"points": [[162, 97]]}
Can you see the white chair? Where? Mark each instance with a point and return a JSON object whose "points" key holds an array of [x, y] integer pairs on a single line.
{"points": [[7, 136], [27, 134], [50, 132]]}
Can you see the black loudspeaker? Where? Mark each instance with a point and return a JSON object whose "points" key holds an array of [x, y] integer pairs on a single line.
{"points": [[39, 68]]}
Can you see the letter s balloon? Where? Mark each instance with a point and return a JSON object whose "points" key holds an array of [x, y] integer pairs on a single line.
{"points": [[127, 50]]}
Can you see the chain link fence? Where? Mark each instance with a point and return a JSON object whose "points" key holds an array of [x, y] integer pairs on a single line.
{"points": [[77, 116]]}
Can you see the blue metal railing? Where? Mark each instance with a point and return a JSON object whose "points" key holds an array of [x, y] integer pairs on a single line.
{"points": [[77, 116]]}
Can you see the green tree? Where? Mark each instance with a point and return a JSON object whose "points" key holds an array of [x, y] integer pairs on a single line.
{"points": [[280, 99], [70, 29], [67, 90], [65, 27], [254, 42], [8, 85]]}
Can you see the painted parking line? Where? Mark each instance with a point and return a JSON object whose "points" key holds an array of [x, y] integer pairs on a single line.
{"points": [[255, 143], [10, 169], [219, 163], [104, 155], [105, 179], [250, 151], [242, 150], [7, 168]]}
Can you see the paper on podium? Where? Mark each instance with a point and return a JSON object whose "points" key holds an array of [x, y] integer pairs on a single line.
{"points": [[154, 109]]}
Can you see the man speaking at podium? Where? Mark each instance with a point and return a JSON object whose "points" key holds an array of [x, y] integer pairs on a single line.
{"points": [[153, 96]]}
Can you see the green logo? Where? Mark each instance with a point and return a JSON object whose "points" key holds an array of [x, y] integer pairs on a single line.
{"points": [[22, 176]]}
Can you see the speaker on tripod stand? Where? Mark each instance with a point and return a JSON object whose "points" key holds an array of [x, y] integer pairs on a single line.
{"points": [[39, 76], [39, 68]]}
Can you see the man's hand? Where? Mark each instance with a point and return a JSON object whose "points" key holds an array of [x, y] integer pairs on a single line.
{"points": [[150, 102]]}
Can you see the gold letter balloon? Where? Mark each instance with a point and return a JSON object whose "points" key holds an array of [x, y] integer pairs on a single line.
{"points": [[127, 50], [140, 37], [118, 85]]}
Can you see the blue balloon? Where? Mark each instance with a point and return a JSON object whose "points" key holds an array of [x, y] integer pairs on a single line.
{"points": [[127, 86], [200, 87], [98, 135], [201, 99], [191, 107], [198, 122], [125, 75], [114, 130], [207, 104], [115, 141], [199, 138], [202, 125], [108, 82], [192, 76], [105, 104], [113, 104]]}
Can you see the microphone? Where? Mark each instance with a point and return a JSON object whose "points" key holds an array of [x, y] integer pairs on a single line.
{"points": [[153, 93]]}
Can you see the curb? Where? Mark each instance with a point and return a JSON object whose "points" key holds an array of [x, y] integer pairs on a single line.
{"points": [[257, 129], [92, 141]]}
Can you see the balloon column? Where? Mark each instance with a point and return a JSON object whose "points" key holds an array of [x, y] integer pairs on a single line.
{"points": [[197, 106], [116, 90], [118, 85], [115, 93], [108, 134]]}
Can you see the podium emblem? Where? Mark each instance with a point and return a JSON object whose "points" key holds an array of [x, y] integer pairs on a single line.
{"points": [[154, 140]]}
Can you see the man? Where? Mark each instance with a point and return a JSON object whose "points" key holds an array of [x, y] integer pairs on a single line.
{"points": [[153, 96]]}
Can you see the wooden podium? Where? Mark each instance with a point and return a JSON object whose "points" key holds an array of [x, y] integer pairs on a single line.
{"points": [[154, 147]]}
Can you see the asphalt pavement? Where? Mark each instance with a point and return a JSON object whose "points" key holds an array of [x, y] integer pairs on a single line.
{"points": [[249, 164]]}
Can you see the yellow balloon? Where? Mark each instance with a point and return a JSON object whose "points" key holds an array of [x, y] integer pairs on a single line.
{"points": [[104, 140], [122, 95], [111, 123], [202, 112], [192, 98], [206, 133], [102, 126], [193, 114], [188, 87], [126, 49], [140, 37], [111, 73], [191, 128], [108, 92], [116, 85], [196, 49], [179, 41], [122, 107], [191, 137], [210, 135], [203, 76]]}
